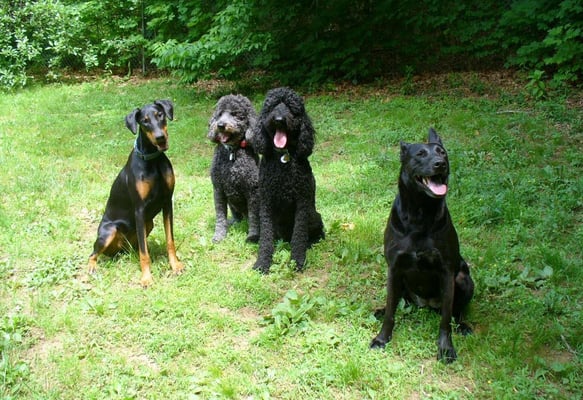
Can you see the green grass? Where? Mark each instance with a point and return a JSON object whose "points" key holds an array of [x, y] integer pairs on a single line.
{"points": [[221, 330]]}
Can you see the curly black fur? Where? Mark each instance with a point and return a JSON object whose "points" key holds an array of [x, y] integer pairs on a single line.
{"points": [[234, 170], [284, 136]]}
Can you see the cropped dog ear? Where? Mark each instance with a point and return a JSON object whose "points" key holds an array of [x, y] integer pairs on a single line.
{"points": [[404, 150], [434, 137], [168, 108], [132, 121]]}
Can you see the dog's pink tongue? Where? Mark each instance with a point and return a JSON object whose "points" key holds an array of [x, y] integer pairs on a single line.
{"points": [[439, 189], [280, 139]]}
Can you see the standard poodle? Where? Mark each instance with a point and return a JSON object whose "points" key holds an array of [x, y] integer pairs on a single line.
{"points": [[235, 166], [284, 137]]}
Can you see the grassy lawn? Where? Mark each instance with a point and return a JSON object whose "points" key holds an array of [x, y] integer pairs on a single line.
{"points": [[221, 330]]}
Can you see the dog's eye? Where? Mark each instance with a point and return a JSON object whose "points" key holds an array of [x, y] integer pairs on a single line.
{"points": [[422, 153]]}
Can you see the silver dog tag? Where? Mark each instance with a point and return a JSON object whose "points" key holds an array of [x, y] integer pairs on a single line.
{"points": [[285, 158], [231, 156]]}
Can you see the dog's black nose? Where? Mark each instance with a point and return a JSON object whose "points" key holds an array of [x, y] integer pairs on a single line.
{"points": [[221, 125], [160, 139], [439, 164]]}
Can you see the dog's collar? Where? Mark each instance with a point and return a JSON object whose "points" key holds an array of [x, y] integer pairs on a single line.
{"points": [[145, 156], [232, 149]]}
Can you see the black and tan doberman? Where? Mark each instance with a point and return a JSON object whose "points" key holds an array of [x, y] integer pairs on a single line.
{"points": [[143, 187]]}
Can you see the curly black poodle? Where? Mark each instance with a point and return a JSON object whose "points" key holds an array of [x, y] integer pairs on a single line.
{"points": [[235, 166], [284, 137]]}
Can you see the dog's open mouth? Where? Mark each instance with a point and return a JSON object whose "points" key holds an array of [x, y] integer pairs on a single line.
{"points": [[162, 146], [280, 139], [224, 138], [435, 186]]}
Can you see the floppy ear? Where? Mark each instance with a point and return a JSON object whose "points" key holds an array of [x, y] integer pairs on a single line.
{"points": [[132, 122], [168, 108], [404, 149], [212, 131], [434, 137], [251, 122], [306, 138], [259, 137]]}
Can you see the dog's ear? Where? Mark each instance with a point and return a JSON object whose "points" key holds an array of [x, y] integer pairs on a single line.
{"points": [[212, 131], [306, 138], [404, 150], [168, 108], [252, 121], [132, 121], [434, 137]]}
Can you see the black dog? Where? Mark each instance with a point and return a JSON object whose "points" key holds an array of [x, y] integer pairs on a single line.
{"points": [[284, 136], [143, 188], [422, 248], [235, 167]]}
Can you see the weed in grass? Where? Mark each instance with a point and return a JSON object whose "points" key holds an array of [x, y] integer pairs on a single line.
{"points": [[292, 315], [13, 372]]}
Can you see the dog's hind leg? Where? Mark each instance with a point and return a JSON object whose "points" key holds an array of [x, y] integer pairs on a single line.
{"points": [[316, 228], [109, 241], [464, 291]]}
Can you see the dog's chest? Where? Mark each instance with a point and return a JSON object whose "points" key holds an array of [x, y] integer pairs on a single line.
{"points": [[237, 175], [422, 274]]}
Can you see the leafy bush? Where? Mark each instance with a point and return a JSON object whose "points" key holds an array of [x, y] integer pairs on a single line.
{"points": [[50, 35], [113, 31], [545, 35], [228, 47], [298, 43], [35, 34]]}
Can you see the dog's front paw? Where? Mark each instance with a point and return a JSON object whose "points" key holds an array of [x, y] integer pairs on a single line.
{"points": [[146, 280], [261, 268], [219, 237], [177, 267], [252, 238], [378, 343], [446, 355], [91, 266], [445, 350]]}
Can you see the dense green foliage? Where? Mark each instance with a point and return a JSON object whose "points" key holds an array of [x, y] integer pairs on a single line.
{"points": [[298, 42]]}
